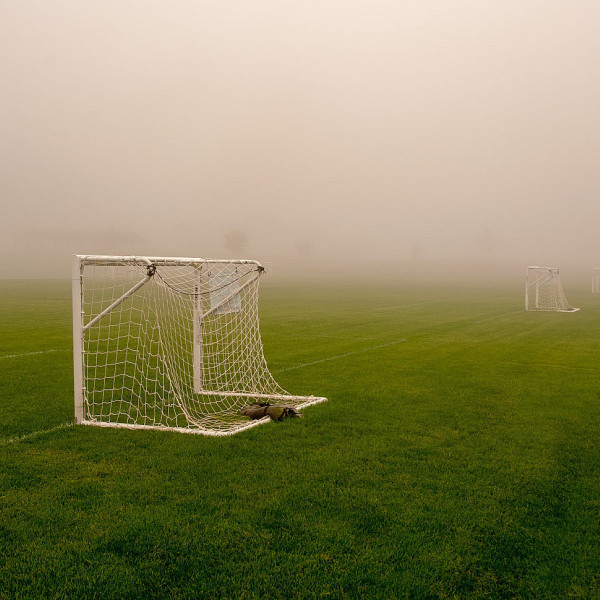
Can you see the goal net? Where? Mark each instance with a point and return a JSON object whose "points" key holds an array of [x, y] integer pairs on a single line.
{"points": [[170, 343], [544, 291]]}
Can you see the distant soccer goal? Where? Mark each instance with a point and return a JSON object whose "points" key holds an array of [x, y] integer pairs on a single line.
{"points": [[171, 344], [544, 291], [596, 280]]}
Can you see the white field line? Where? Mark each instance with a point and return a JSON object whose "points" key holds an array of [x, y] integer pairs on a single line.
{"points": [[32, 353], [27, 436], [323, 335], [316, 362], [547, 366]]}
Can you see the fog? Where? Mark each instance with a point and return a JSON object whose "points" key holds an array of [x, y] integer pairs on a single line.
{"points": [[316, 136]]}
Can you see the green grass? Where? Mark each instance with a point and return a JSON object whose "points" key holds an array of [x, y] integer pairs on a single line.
{"points": [[457, 457]]}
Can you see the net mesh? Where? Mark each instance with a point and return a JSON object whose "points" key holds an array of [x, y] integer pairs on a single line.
{"points": [[544, 290], [174, 344]]}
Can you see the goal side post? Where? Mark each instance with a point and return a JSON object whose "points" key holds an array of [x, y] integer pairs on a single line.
{"points": [[596, 280], [78, 375]]}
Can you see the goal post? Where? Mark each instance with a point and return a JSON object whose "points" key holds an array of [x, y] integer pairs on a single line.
{"points": [[596, 280], [170, 343], [544, 291]]}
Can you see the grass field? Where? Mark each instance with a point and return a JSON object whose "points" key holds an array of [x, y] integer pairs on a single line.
{"points": [[458, 456]]}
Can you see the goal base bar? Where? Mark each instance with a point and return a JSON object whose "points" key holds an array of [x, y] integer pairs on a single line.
{"points": [[307, 401], [564, 310], [193, 431]]}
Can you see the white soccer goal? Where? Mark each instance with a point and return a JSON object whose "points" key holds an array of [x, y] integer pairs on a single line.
{"points": [[544, 291], [596, 280], [170, 343]]}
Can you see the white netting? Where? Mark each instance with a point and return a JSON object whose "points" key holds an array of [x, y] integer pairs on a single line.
{"points": [[544, 290], [174, 343]]}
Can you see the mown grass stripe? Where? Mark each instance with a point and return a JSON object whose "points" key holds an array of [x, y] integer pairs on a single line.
{"points": [[322, 360], [407, 305], [514, 312]]}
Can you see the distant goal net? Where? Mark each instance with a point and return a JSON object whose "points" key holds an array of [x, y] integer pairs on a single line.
{"points": [[544, 291], [170, 343]]}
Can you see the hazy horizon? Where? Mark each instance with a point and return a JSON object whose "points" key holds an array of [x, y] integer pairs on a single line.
{"points": [[318, 136]]}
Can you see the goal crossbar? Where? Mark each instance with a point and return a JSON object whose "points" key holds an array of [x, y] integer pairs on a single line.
{"points": [[115, 261]]}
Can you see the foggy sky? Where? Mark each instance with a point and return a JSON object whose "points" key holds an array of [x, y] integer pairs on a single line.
{"points": [[319, 133]]}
